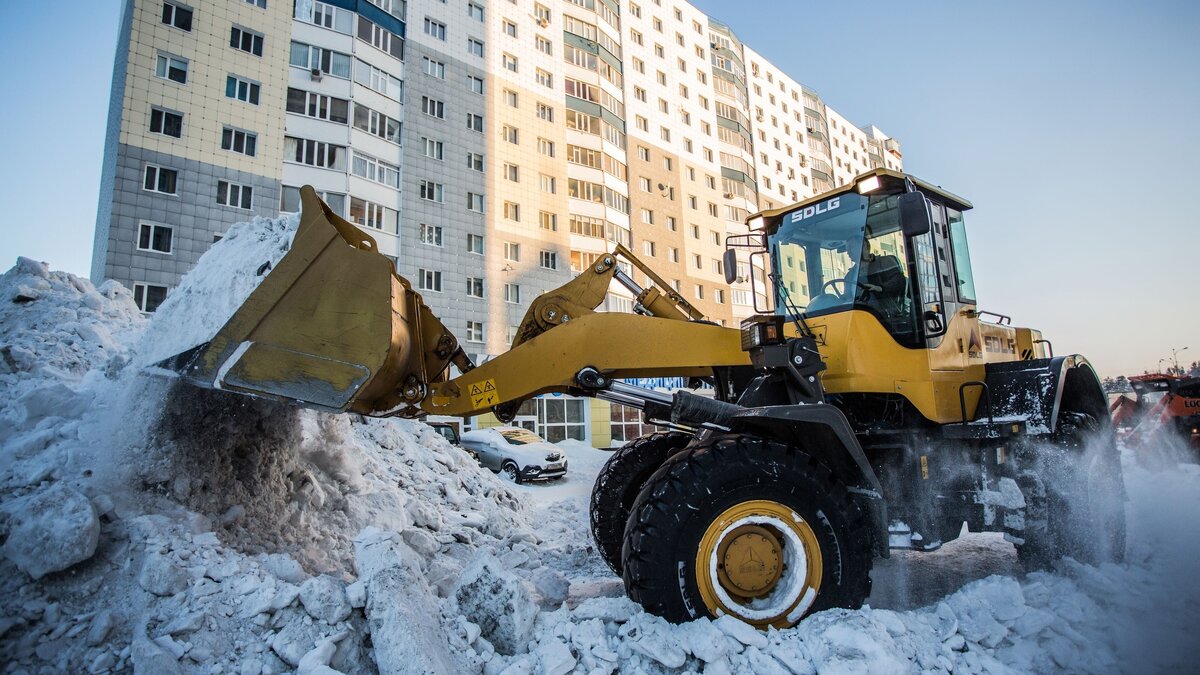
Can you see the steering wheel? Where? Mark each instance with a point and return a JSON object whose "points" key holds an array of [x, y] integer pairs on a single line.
{"points": [[825, 288]]}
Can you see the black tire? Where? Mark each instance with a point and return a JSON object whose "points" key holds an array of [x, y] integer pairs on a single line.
{"points": [[618, 484], [1079, 508], [675, 514], [510, 472]]}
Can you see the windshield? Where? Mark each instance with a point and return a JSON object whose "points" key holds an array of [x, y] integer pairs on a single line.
{"points": [[520, 436], [843, 253]]}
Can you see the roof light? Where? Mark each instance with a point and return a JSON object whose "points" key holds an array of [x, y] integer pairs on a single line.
{"points": [[869, 184], [756, 223]]}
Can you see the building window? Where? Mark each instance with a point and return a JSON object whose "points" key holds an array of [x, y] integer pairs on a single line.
{"points": [[475, 84], [475, 47], [475, 161], [433, 68], [512, 211], [242, 90], [542, 13], [320, 60], [546, 147], [365, 166], [429, 280], [475, 202], [474, 287], [509, 28], [433, 107], [160, 179], [381, 38], [512, 293], [475, 245], [673, 254], [177, 16], [166, 123], [149, 296], [512, 172], [548, 183], [649, 248], [562, 418], [234, 194], [236, 140], [647, 216], [433, 149], [719, 296], [512, 251], [369, 214], [545, 112], [433, 192], [475, 11], [319, 106], [326, 16], [474, 331], [153, 237], [378, 80], [435, 29], [508, 61], [543, 45], [549, 260], [261, 4], [171, 68], [246, 40], [544, 78], [431, 234], [289, 199], [475, 122], [376, 123], [511, 134], [699, 292], [510, 98]]}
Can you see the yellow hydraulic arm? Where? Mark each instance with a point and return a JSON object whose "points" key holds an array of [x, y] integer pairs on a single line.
{"points": [[334, 327]]}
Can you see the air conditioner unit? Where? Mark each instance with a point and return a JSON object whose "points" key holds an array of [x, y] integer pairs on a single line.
{"points": [[315, 73], [728, 195], [543, 22]]}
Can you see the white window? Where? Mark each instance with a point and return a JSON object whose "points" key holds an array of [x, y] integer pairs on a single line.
{"points": [[365, 166], [239, 141], [475, 11], [475, 161], [475, 202], [673, 254], [149, 296], [509, 28], [319, 106], [474, 331], [433, 68], [508, 61], [433, 149], [171, 68], [548, 183], [512, 251], [177, 16], [475, 122], [234, 194], [242, 90], [381, 38], [475, 244], [545, 112], [433, 192], [475, 84], [475, 47], [649, 248], [369, 214], [323, 61], [512, 172], [326, 16], [433, 107], [246, 40], [475, 287], [699, 292], [543, 45], [431, 234], [511, 134], [647, 216], [544, 78], [435, 29], [548, 221], [378, 80], [154, 237], [549, 260], [546, 147], [376, 123], [719, 296], [314, 153], [429, 280], [160, 179], [542, 13], [166, 122], [512, 293], [512, 211]]}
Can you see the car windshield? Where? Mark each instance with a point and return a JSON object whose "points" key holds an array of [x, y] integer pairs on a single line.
{"points": [[520, 436], [842, 253]]}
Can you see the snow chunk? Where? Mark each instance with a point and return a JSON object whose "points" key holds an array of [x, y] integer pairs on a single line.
{"points": [[51, 530], [495, 598], [324, 598], [161, 575]]}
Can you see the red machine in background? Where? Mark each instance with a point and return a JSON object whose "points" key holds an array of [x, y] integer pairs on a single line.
{"points": [[1166, 409]]}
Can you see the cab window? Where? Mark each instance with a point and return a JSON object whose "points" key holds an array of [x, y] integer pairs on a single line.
{"points": [[962, 256]]}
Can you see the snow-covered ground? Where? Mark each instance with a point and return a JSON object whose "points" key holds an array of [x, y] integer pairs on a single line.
{"points": [[155, 527]]}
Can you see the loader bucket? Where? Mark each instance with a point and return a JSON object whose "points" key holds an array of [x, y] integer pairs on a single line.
{"points": [[331, 327]]}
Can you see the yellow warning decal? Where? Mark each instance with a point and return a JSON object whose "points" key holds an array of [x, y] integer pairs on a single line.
{"points": [[484, 394], [924, 467]]}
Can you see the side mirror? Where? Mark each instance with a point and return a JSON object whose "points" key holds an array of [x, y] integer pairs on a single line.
{"points": [[915, 216], [730, 266]]}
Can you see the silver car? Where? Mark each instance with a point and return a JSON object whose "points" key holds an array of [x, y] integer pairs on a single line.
{"points": [[517, 454]]}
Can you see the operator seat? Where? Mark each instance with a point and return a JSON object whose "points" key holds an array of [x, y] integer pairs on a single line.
{"points": [[891, 300]]}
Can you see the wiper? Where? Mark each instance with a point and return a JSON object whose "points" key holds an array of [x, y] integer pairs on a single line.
{"points": [[798, 316]]}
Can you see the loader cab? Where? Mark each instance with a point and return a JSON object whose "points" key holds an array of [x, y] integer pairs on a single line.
{"points": [[892, 248]]}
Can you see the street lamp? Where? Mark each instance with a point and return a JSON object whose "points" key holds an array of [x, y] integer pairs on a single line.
{"points": [[1160, 362], [1175, 356]]}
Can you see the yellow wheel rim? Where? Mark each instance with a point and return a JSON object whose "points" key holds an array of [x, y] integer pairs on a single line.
{"points": [[759, 561]]}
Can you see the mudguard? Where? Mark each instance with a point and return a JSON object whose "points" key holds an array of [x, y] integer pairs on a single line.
{"points": [[1037, 390]]}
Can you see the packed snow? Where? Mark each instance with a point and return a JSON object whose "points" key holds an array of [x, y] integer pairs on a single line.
{"points": [[154, 527]]}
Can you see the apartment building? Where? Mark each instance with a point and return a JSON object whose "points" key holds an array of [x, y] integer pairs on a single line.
{"points": [[493, 148]]}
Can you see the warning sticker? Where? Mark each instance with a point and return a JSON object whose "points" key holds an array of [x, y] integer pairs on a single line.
{"points": [[483, 394]]}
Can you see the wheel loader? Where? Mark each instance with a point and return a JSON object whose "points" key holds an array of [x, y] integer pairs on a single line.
{"points": [[871, 406]]}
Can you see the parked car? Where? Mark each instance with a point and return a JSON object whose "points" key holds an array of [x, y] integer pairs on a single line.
{"points": [[447, 431], [517, 454]]}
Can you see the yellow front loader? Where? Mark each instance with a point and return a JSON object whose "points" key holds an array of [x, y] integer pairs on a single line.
{"points": [[870, 408]]}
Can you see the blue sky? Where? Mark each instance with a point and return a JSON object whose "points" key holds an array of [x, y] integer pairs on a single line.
{"points": [[1068, 124]]}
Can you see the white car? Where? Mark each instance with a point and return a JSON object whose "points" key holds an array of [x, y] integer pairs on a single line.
{"points": [[517, 454]]}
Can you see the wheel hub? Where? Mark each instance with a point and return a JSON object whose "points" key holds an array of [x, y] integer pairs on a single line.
{"points": [[750, 561]]}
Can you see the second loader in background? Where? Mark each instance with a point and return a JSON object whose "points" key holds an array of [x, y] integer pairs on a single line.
{"points": [[870, 407]]}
